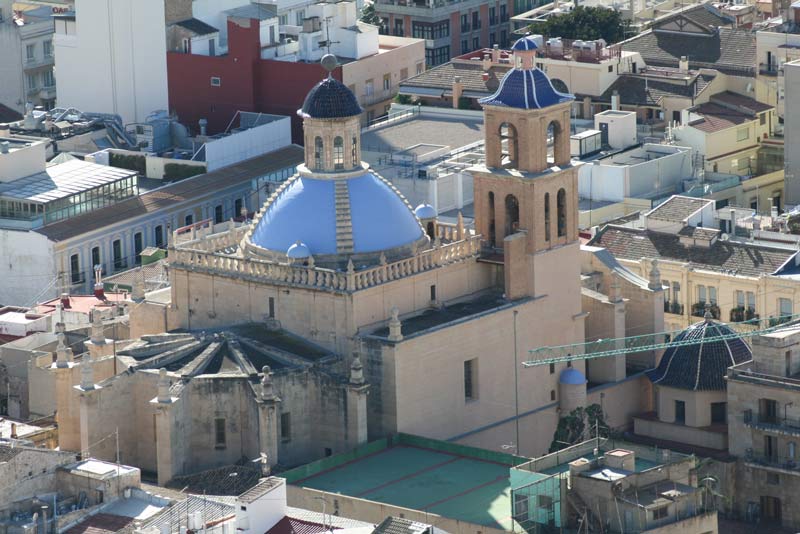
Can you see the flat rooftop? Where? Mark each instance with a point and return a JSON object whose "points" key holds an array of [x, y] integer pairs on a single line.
{"points": [[426, 128], [642, 154], [63, 180], [450, 480]]}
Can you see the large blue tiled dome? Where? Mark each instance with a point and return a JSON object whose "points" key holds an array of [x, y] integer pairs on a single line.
{"points": [[700, 366], [526, 89], [306, 211], [330, 99]]}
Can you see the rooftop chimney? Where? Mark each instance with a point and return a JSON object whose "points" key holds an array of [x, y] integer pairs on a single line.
{"points": [[496, 54], [65, 300], [13, 430], [683, 64], [4, 147], [458, 88], [615, 100], [99, 293], [203, 123]]}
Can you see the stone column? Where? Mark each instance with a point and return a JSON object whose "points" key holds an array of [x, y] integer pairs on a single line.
{"points": [[163, 404], [268, 413], [357, 389]]}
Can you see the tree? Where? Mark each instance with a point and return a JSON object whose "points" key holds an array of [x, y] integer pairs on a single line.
{"points": [[578, 425], [586, 23], [368, 14]]}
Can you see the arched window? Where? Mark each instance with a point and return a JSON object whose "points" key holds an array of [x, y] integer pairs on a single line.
{"points": [[491, 220], [555, 140], [561, 208], [354, 151], [317, 154], [508, 145], [338, 153], [512, 214], [547, 216]]}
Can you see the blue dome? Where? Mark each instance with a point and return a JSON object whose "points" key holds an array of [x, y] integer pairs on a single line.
{"points": [[525, 43], [425, 211], [298, 251], [330, 99], [702, 365], [571, 376], [526, 89], [305, 210]]}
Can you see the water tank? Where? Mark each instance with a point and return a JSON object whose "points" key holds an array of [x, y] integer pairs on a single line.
{"points": [[572, 390]]}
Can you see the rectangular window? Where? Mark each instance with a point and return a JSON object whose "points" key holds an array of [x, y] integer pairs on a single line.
{"points": [[785, 307], [48, 80], [216, 81], [398, 28], [387, 82], [552, 368], [218, 213], [188, 220], [74, 269], [521, 506], [701, 294], [492, 19], [742, 134], [470, 379], [30, 52], [464, 46], [476, 22], [762, 118], [712, 295], [286, 427], [219, 432], [271, 307], [739, 299], [751, 300], [719, 412], [433, 292], [96, 258], [119, 261], [33, 81], [464, 23], [476, 43], [660, 512], [138, 246], [159, 236], [767, 411], [680, 412], [47, 47]]}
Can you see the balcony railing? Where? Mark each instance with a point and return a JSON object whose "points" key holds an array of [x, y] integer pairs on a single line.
{"points": [[699, 309], [377, 96], [788, 425], [35, 62], [673, 307], [741, 313], [776, 461], [769, 69], [120, 264], [465, 28]]}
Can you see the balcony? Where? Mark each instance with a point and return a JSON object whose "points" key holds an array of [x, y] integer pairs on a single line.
{"points": [[120, 264], [377, 96], [740, 313], [465, 28], [777, 425], [770, 69], [779, 320], [744, 372], [699, 309], [673, 307], [783, 463], [38, 62]]}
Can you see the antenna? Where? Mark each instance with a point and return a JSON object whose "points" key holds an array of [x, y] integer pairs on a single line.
{"points": [[327, 40]]}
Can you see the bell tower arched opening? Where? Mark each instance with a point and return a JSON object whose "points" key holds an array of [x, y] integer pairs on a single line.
{"points": [[509, 146], [492, 232], [512, 214], [557, 143], [561, 209]]}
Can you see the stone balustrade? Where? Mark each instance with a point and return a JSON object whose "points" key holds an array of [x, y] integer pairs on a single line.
{"points": [[202, 256]]}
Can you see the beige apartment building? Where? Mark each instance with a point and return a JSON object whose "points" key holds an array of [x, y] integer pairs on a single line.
{"points": [[433, 319], [736, 280]]}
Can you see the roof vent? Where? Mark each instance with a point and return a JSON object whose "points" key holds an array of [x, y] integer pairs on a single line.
{"points": [[4, 147]]}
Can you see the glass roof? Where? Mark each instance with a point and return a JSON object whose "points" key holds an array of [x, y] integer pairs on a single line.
{"points": [[63, 180]]}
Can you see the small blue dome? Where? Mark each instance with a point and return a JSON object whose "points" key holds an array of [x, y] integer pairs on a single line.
{"points": [[425, 211], [571, 376], [525, 43], [330, 99], [305, 210], [298, 251], [526, 89]]}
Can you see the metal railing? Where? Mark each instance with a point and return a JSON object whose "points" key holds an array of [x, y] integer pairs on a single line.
{"points": [[699, 309], [766, 422], [780, 462], [673, 307]]}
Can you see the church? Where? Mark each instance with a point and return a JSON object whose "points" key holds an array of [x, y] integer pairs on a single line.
{"points": [[341, 314]]}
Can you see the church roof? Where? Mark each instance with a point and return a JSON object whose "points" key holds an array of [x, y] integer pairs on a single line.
{"points": [[526, 89], [330, 99], [306, 210], [700, 366]]}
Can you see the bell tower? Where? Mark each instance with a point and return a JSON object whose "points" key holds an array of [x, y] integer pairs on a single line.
{"points": [[526, 195]]}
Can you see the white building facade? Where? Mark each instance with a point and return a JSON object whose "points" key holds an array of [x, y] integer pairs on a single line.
{"points": [[112, 57]]}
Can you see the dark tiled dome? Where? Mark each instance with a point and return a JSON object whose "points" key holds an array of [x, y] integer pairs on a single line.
{"points": [[700, 366], [330, 99]]}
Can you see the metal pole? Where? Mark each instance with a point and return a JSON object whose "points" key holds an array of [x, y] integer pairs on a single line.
{"points": [[516, 384]]}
